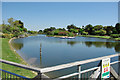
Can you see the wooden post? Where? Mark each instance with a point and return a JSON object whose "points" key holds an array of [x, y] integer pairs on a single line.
{"points": [[79, 70]]}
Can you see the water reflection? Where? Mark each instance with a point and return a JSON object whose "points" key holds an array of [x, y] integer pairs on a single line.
{"points": [[40, 53], [71, 42], [115, 45], [110, 45], [17, 46]]}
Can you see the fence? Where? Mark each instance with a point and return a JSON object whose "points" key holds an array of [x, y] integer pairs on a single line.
{"points": [[88, 73], [8, 75]]}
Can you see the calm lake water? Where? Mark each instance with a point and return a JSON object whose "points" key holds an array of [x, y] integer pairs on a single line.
{"points": [[41, 51]]}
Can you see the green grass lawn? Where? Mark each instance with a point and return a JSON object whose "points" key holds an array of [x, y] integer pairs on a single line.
{"points": [[103, 37], [10, 55]]}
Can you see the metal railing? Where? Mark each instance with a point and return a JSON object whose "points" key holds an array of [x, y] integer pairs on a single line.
{"points": [[79, 75], [85, 74], [6, 75]]}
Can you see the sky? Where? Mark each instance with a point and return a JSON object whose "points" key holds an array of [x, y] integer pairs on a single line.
{"points": [[119, 11], [60, 0], [41, 15]]}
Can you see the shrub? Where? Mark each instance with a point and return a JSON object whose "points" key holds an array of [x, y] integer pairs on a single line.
{"points": [[70, 34], [7, 35], [100, 32], [85, 33], [115, 35]]}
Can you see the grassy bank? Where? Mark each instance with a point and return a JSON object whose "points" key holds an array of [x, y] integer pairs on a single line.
{"points": [[10, 55], [103, 37], [93, 36]]}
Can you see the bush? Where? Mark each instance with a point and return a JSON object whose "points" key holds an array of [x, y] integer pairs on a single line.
{"points": [[85, 33], [115, 35], [70, 34], [7, 36], [100, 32]]}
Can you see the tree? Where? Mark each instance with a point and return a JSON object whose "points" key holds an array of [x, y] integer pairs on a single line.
{"points": [[25, 29], [55, 32], [72, 26], [114, 31], [117, 26], [81, 31], [85, 33], [18, 23], [47, 30], [98, 27], [88, 28], [83, 27], [61, 29], [108, 30], [52, 28], [10, 21], [40, 31], [73, 30], [100, 32]]}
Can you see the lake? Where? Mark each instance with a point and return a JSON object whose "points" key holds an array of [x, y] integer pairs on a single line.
{"points": [[41, 51]]}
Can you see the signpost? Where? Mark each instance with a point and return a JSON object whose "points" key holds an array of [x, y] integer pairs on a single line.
{"points": [[105, 68]]}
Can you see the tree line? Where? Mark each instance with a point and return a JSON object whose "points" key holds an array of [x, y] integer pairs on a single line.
{"points": [[15, 28], [73, 30]]}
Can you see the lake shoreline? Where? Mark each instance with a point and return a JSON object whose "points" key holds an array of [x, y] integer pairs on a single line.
{"points": [[10, 55], [13, 49], [67, 51], [101, 37], [90, 36]]}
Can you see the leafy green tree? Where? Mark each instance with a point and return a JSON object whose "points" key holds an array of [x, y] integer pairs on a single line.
{"points": [[48, 30], [10, 21], [114, 31], [52, 28], [73, 30], [89, 28], [108, 30], [40, 32], [83, 27], [72, 26], [18, 23], [61, 29], [25, 29], [98, 27], [55, 32], [81, 31], [117, 26], [85, 33], [100, 32], [32, 32]]}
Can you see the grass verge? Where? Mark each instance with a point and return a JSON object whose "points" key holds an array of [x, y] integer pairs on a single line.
{"points": [[103, 37], [10, 55]]}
